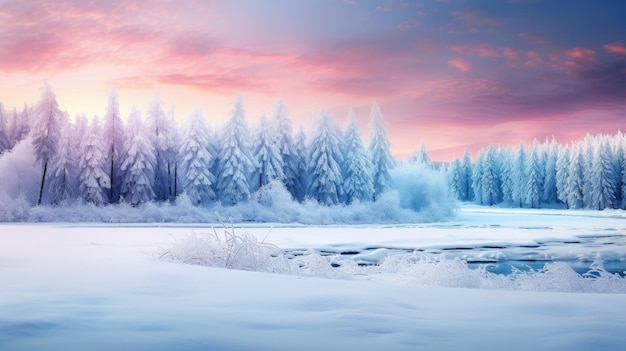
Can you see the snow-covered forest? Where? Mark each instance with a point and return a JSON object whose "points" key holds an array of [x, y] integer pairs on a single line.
{"points": [[150, 158], [589, 174]]}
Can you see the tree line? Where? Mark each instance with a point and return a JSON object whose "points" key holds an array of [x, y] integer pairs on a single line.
{"points": [[589, 174], [153, 158]]}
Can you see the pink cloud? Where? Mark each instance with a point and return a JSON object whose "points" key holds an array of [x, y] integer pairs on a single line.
{"points": [[460, 64], [511, 54], [616, 48], [61, 35], [533, 59], [482, 50], [582, 54], [224, 83], [454, 88]]}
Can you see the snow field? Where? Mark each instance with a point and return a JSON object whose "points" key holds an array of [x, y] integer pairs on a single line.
{"points": [[103, 287]]}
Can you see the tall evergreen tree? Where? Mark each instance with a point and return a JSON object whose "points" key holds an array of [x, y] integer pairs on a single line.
{"points": [[421, 157], [454, 178], [20, 125], [164, 140], [197, 161], [286, 147], [562, 173], [5, 137], [602, 177], [138, 162], [113, 135], [477, 177], [507, 174], [301, 152], [94, 182], [490, 177], [358, 182], [588, 146], [466, 177], [618, 161], [518, 176], [46, 131], [324, 171], [551, 151], [575, 179], [269, 162], [380, 154], [62, 174], [533, 187], [236, 162]]}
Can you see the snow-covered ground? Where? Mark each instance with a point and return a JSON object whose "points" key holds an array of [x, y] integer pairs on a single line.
{"points": [[102, 287]]}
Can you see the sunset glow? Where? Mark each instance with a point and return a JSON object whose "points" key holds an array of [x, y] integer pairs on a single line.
{"points": [[451, 74]]}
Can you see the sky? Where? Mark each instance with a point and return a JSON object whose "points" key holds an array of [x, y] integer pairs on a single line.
{"points": [[450, 74]]}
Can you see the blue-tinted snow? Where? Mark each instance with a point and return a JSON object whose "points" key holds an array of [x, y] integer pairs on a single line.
{"points": [[71, 287]]}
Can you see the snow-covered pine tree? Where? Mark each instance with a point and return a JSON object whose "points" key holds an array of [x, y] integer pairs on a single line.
{"points": [[508, 158], [236, 162], [196, 161], [562, 173], [171, 154], [213, 146], [46, 131], [163, 135], [379, 151], [421, 157], [5, 140], [623, 175], [63, 167], [269, 162], [20, 125], [93, 180], [301, 152], [588, 147], [137, 162], [477, 176], [454, 178], [617, 146], [551, 151], [574, 185], [358, 183], [490, 177], [602, 177], [113, 135], [466, 177], [286, 147], [324, 182], [518, 176], [533, 187]]}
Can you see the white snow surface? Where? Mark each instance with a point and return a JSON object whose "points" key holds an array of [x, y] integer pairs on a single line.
{"points": [[103, 287]]}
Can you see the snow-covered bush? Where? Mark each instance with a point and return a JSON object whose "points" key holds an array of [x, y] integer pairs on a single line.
{"points": [[423, 190], [229, 250]]}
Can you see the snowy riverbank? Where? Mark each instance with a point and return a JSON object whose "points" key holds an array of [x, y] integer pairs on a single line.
{"points": [[73, 287]]}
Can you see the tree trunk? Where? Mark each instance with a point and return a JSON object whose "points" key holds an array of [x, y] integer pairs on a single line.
{"points": [[43, 179]]}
